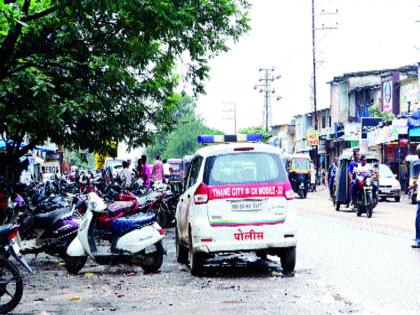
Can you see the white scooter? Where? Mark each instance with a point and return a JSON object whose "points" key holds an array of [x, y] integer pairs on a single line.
{"points": [[136, 240]]}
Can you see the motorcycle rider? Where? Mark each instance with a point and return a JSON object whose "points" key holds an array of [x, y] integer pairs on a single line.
{"points": [[352, 176], [360, 172]]}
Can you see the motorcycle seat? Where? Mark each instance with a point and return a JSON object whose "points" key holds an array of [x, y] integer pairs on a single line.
{"points": [[7, 229], [124, 225], [120, 205], [45, 220]]}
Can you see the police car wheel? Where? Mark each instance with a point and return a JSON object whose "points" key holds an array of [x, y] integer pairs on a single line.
{"points": [[181, 251], [196, 261], [288, 259]]}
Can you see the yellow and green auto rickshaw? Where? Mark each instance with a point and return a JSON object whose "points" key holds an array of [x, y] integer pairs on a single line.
{"points": [[299, 170], [412, 192]]}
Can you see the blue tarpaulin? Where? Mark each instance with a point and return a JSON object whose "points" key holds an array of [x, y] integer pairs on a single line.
{"points": [[414, 120], [37, 147]]}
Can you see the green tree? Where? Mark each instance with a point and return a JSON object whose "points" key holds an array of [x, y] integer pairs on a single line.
{"points": [[82, 159], [375, 111], [183, 139], [85, 73], [249, 130]]}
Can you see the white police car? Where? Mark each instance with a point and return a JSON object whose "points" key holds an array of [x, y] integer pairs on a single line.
{"points": [[236, 198]]}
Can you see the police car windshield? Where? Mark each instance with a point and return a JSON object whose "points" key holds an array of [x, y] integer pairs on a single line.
{"points": [[244, 168]]}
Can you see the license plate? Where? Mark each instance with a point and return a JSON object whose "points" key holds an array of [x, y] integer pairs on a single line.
{"points": [[247, 205], [386, 191], [16, 248]]}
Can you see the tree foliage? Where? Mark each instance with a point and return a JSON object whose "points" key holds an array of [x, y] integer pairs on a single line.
{"points": [[375, 111], [82, 159], [259, 129], [85, 73], [183, 139]]}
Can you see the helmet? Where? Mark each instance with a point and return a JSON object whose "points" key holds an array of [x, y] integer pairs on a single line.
{"points": [[418, 150]]}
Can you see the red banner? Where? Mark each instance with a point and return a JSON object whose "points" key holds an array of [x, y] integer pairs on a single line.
{"points": [[248, 190]]}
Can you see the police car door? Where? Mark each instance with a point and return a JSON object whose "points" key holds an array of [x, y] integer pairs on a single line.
{"points": [[187, 198]]}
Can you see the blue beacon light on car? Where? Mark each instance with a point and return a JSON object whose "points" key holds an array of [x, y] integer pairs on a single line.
{"points": [[206, 139]]}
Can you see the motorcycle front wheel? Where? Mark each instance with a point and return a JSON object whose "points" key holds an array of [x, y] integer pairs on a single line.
{"points": [[11, 286], [74, 263], [153, 261]]}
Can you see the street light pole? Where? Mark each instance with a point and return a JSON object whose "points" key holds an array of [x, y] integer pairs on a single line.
{"points": [[231, 111]]}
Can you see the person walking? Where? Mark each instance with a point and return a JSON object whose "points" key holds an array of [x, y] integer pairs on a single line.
{"points": [[143, 170], [157, 171], [167, 170], [332, 173], [126, 175], [416, 172]]}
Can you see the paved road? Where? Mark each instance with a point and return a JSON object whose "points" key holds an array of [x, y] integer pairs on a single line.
{"points": [[344, 266]]}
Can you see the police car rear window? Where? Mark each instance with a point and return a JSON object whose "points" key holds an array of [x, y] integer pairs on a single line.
{"points": [[244, 168]]}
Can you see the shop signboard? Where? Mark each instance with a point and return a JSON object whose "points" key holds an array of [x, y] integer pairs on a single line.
{"points": [[52, 167], [398, 127], [409, 92], [369, 123], [322, 149], [352, 131], [312, 137], [389, 102], [387, 96], [386, 134]]}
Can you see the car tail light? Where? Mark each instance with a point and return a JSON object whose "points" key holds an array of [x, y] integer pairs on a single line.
{"points": [[289, 194], [201, 195], [12, 235], [206, 240]]}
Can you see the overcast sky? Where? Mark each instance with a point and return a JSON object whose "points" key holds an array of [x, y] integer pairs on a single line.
{"points": [[371, 34]]}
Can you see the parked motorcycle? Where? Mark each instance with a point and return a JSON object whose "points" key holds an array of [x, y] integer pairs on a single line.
{"points": [[53, 231], [136, 240], [11, 283], [364, 202]]}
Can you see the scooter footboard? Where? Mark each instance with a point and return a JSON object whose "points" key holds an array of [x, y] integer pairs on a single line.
{"points": [[137, 240]]}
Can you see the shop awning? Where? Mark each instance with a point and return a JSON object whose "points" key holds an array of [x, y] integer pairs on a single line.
{"points": [[37, 147]]}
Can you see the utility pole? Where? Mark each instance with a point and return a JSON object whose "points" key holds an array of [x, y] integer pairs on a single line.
{"points": [[232, 114], [265, 86], [314, 68]]}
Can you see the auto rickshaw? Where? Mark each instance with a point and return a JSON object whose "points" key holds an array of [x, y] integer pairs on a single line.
{"points": [[412, 193], [342, 184], [299, 170]]}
